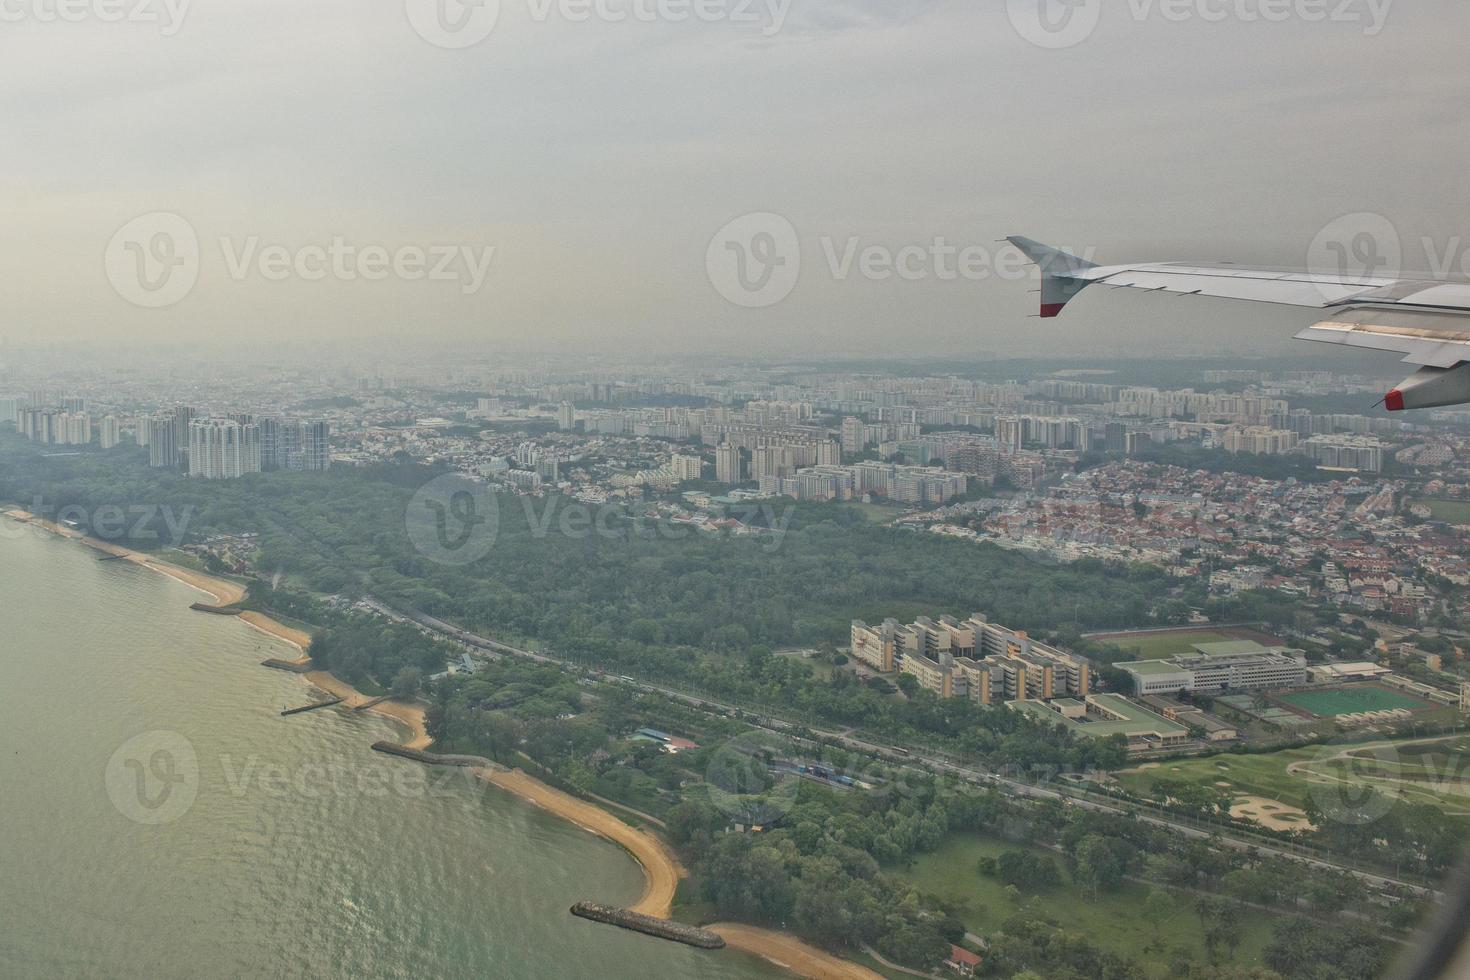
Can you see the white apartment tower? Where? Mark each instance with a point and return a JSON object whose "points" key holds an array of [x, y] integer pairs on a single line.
{"points": [[222, 449]]}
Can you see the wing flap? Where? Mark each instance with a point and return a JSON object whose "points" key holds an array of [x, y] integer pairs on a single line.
{"points": [[1262, 288], [1429, 338]]}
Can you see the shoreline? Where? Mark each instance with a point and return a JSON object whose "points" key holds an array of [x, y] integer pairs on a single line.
{"points": [[226, 593], [410, 716], [662, 873], [661, 868], [790, 953], [222, 591]]}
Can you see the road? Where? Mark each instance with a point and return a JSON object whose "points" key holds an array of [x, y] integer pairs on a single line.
{"points": [[936, 764]]}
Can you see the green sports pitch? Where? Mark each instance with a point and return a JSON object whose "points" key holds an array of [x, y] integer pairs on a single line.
{"points": [[1350, 700]]}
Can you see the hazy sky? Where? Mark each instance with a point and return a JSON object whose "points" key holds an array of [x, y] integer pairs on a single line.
{"points": [[578, 168]]}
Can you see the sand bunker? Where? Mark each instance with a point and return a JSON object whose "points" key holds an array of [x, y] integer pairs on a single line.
{"points": [[1271, 814]]}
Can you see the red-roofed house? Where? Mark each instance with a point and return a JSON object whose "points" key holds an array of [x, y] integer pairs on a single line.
{"points": [[962, 961]]}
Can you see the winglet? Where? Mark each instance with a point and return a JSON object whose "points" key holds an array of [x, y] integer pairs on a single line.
{"points": [[1060, 273]]}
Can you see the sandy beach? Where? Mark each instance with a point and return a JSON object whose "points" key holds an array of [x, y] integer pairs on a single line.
{"points": [[411, 716], [222, 591], [297, 638], [660, 868], [227, 593], [790, 953]]}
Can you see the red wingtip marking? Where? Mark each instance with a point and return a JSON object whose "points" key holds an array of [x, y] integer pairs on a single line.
{"points": [[1394, 401], [1049, 310]]}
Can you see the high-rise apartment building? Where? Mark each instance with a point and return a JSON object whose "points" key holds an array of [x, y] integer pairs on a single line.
{"points": [[183, 415], [1009, 432], [686, 467], [729, 467], [76, 428], [223, 449], [272, 445], [290, 444], [316, 446], [163, 449], [54, 427], [109, 432]]}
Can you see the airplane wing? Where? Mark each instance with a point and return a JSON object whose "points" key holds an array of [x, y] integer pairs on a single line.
{"points": [[1425, 320]]}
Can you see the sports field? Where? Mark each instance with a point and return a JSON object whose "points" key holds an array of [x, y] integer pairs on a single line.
{"points": [[1351, 700], [1452, 511], [1162, 646]]}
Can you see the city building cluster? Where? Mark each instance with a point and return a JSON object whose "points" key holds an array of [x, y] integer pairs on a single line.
{"points": [[183, 438]]}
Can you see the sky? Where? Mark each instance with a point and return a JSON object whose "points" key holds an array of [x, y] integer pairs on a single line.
{"points": [[749, 177]]}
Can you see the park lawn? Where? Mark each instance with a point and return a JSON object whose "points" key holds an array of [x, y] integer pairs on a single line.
{"points": [[1115, 922], [1452, 511], [1162, 646], [878, 513]]}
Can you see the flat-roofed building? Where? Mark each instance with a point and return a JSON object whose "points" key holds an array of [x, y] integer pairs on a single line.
{"points": [[926, 638], [932, 675], [877, 646], [1106, 715], [1157, 676], [1192, 717], [1069, 673], [962, 639], [972, 679], [1235, 665], [985, 662], [1341, 673]]}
